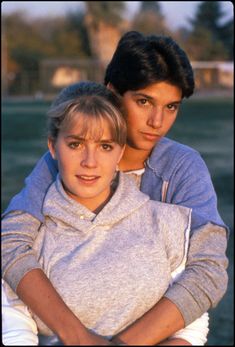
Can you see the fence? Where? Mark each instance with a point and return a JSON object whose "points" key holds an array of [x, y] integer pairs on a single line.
{"points": [[55, 74]]}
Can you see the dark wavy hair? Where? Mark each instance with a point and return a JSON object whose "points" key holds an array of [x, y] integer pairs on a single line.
{"points": [[139, 61]]}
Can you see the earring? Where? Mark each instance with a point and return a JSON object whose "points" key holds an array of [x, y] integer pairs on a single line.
{"points": [[117, 168]]}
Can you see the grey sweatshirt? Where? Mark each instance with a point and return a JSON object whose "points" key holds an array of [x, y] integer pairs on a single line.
{"points": [[175, 174], [113, 267]]}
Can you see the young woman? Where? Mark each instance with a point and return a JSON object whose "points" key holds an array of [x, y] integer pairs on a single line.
{"points": [[152, 75], [106, 247]]}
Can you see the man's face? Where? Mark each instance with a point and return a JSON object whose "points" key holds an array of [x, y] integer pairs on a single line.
{"points": [[150, 113]]}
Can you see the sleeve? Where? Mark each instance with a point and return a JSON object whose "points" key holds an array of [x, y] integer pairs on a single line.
{"points": [[196, 332], [18, 327], [205, 279], [30, 198], [19, 230], [191, 185]]}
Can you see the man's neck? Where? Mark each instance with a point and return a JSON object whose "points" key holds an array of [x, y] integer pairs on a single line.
{"points": [[133, 159]]}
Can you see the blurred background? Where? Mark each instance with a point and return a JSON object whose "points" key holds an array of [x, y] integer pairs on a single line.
{"points": [[48, 45]]}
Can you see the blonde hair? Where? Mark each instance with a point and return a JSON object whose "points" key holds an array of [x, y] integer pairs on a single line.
{"points": [[92, 104]]}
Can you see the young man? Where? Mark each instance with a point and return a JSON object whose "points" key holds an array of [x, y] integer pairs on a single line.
{"points": [[152, 75]]}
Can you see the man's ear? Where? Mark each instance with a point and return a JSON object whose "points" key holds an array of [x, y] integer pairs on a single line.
{"points": [[111, 87], [51, 147]]}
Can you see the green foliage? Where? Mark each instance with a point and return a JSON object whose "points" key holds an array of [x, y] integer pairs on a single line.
{"points": [[208, 16], [27, 41], [149, 19], [151, 6], [76, 23], [226, 35], [109, 12], [24, 43], [209, 40], [201, 45]]}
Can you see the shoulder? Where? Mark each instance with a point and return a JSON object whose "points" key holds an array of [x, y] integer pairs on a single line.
{"points": [[169, 148], [169, 155], [163, 210], [17, 219]]}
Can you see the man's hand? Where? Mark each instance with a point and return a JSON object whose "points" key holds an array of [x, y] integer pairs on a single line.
{"points": [[88, 338]]}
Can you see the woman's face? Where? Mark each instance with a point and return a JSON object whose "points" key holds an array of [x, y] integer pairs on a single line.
{"points": [[86, 166], [150, 112]]}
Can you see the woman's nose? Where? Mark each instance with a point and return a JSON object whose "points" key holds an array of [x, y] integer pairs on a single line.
{"points": [[89, 158]]}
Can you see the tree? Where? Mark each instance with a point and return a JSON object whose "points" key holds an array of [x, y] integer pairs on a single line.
{"points": [[202, 46], [206, 41], [109, 12], [27, 41], [23, 55], [149, 19], [103, 22], [226, 35], [208, 16], [75, 22], [151, 6]]}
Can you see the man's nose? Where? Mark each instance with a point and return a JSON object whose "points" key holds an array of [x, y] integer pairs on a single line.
{"points": [[155, 119]]}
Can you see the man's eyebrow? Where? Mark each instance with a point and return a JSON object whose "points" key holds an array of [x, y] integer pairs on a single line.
{"points": [[153, 99], [143, 95]]}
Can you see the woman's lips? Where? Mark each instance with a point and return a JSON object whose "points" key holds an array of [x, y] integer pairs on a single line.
{"points": [[87, 179]]}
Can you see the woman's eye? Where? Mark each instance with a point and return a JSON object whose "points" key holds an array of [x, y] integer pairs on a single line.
{"points": [[106, 147]]}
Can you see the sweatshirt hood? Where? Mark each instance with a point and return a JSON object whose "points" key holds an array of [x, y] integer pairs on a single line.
{"points": [[126, 199]]}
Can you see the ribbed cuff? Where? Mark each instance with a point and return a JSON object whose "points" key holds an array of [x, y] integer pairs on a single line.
{"points": [[18, 270], [185, 302]]}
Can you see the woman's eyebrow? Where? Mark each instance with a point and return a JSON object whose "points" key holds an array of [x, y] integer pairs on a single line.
{"points": [[106, 141], [77, 137]]}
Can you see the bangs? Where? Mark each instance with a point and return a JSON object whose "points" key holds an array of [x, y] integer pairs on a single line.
{"points": [[90, 116], [87, 126], [92, 125]]}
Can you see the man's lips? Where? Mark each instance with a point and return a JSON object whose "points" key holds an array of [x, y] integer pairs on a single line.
{"points": [[150, 136]]}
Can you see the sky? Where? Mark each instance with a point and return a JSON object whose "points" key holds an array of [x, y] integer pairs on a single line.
{"points": [[176, 13]]}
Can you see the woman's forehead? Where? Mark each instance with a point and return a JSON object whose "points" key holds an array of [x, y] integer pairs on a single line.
{"points": [[90, 127]]}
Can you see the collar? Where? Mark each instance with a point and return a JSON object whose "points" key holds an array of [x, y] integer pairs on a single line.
{"points": [[126, 199]]}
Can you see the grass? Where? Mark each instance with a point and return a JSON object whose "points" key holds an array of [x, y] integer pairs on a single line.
{"points": [[206, 125]]}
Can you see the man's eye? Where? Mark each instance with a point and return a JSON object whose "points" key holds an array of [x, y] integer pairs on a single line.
{"points": [[173, 107], [74, 145], [142, 102]]}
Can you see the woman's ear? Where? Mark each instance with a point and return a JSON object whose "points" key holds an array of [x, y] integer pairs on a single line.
{"points": [[121, 154], [51, 147]]}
